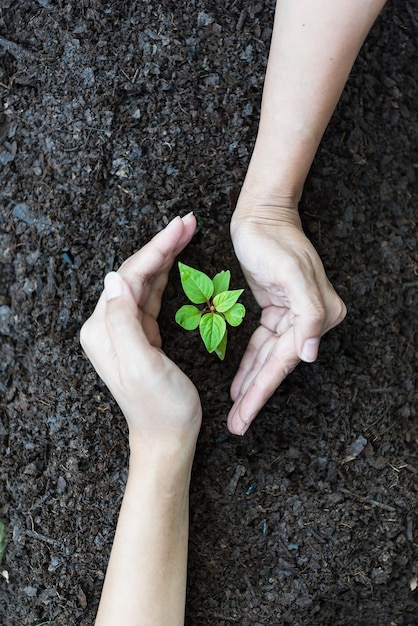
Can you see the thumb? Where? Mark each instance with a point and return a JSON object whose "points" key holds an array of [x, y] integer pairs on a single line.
{"points": [[308, 329], [309, 317], [318, 316], [123, 322]]}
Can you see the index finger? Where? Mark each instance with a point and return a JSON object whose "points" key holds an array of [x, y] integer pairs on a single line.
{"points": [[275, 359], [153, 262], [123, 321], [155, 259]]}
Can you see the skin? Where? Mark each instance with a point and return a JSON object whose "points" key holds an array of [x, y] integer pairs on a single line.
{"points": [[314, 45], [146, 578]]}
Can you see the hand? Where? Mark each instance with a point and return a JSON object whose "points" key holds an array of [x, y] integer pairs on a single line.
{"points": [[123, 342], [298, 305]]}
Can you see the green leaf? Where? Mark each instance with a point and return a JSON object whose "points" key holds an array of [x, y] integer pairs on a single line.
{"points": [[188, 316], [197, 286], [235, 314], [220, 349], [221, 282], [225, 300], [212, 329]]}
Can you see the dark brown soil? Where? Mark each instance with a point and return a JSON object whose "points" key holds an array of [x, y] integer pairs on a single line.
{"points": [[116, 116]]}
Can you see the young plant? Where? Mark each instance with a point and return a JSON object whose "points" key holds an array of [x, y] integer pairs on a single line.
{"points": [[220, 307]]}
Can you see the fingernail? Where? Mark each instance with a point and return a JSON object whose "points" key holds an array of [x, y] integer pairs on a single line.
{"points": [[113, 284], [187, 217], [244, 429], [310, 350], [172, 221]]}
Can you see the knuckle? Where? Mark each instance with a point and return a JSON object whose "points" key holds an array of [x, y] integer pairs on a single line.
{"points": [[317, 315], [132, 379], [339, 312], [342, 312]]}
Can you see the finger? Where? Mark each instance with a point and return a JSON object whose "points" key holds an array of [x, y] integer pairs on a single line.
{"points": [[317, 319], [151, 300], [316, 306], [129, 341], [308, 311], [157, 256], [278, 363], [248, 360], [130, 269], [262, 356], [275, 321]]}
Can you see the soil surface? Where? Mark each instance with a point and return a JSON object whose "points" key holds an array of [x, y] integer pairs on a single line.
{"points": [[116, 116]]}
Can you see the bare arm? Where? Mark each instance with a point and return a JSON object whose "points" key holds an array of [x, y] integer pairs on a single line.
{"points": [[313, 48], [314, 45], [146, 578]]}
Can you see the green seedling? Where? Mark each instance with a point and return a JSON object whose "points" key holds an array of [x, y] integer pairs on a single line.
{"points": [[220, 307]]}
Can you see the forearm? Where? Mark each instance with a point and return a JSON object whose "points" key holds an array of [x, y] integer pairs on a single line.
{"points": [[146, 577], [314, 45]]}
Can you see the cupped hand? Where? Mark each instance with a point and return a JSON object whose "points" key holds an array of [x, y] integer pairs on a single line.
{"points": [[298, 305], [123, 342]]}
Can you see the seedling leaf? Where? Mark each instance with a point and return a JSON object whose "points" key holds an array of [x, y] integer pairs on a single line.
{"points": [[220, 307], [220, 350], [188, 316], [212, 329], [221, 282], [235, 314], [197, 286], [225, 300]]}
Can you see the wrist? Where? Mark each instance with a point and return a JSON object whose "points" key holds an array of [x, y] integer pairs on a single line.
{"points": [[162, 456], [265, 206], [282, 156], [169, 433], [167, 481]]}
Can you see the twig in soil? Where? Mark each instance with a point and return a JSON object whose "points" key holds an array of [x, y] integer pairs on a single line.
{"points": [[14, 49], [241, 20], [317, 536], [240, 471], [34, 535], [380, 505], [409, 527]]}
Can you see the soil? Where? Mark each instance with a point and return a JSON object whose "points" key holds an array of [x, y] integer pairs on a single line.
{"points": [[116, 116]]}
